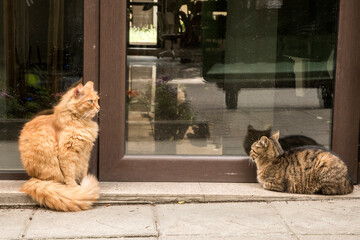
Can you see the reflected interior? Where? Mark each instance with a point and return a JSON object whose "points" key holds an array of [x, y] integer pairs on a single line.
{"points": [[228, 71]]}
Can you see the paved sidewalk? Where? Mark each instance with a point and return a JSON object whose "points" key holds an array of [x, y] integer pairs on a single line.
{"points": [[328, 220], [263, 215]]}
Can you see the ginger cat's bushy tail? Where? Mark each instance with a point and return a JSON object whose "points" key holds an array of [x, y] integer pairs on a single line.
{"points": [[61, 197]]}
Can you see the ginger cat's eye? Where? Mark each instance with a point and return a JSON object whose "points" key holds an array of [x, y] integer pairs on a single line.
{"points": [[91, 101]]}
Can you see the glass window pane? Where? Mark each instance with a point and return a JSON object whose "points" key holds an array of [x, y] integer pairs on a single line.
{"points": [[143, 22], [41, 55], [234, 70]]}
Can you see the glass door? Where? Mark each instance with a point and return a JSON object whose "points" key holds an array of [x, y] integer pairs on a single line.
{"points": [[227, 73]]}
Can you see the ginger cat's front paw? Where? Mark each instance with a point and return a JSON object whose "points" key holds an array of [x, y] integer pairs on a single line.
{"points": [[71, 183]]}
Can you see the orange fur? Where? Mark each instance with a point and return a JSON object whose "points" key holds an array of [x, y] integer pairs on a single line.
{"points": [[55, 151]]}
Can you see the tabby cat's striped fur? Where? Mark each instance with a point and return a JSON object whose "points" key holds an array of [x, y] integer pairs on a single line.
{"points": [[305, 170]]}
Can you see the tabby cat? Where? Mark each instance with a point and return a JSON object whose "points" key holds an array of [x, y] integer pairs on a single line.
{"points": [[305, 170], [286, 143], [55, 150]]}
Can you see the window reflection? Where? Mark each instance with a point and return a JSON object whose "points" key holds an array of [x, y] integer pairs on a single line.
{"points": [[240, 68], [41, 55], [143, 24]]}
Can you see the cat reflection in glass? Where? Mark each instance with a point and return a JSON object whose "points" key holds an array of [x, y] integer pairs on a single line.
{"points": [[286, 142]]}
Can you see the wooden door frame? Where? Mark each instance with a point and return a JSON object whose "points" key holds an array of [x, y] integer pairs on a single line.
{"points": [[112, 124], [346, 119], [92, 61], [115, 165]]}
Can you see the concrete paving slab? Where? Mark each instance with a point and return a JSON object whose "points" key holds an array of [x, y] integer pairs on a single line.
{"points": [[305, 220], [151, 192], [321, 217], [329, 237], [112, 221], [231, 237], [13, 222], [254, 192], [121, 238], [218, 219], [237, 192]]}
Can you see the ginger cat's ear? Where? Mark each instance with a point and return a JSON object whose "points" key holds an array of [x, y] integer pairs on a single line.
{"points": [[276, 135], [89, 85], [79, 90]]}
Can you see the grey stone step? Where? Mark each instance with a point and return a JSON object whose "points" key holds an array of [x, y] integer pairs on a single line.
{"points": [[174, 192]]}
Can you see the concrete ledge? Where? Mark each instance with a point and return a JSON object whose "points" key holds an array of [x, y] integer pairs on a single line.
{"points": [[170, 192]]}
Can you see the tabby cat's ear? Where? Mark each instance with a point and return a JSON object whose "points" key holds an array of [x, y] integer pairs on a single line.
{"points": [[276, 135], [79, 90], [250, 127], [263, 142]]}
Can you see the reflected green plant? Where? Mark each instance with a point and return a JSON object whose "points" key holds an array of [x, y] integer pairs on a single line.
{"points": [[146, 34], [17, 107], [167, 106]]}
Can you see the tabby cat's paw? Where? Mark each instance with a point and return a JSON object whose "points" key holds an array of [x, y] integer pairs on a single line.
{"points": [[253, 155]]}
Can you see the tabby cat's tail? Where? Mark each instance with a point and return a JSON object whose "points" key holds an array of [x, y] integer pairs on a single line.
{"points": [[63, 197]]}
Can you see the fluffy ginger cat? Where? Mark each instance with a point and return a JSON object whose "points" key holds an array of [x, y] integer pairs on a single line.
{"points": [[55, 151]]}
